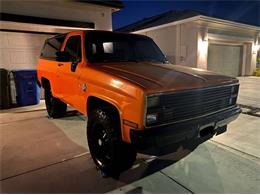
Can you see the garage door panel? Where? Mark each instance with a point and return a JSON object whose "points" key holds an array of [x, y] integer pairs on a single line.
{"points": [[3, 41], [225, 59], [19, 59], [24, 57], [20, 50], [24, 40], [5, 58]]}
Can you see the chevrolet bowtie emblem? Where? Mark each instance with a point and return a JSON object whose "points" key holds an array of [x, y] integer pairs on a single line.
{"points": [[84, 87]]}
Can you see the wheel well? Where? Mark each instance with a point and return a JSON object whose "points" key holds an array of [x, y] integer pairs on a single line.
{"points": [[94, 102], [46, 83]]}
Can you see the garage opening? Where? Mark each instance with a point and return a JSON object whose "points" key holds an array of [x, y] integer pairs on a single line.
{"points": [[225, 59]]}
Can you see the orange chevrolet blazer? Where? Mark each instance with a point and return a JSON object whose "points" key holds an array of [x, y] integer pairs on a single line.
{"points": [[134, 98]]}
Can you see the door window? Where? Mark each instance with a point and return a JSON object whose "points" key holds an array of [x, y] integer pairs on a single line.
{"points": [[51, 47], [73, 47]]}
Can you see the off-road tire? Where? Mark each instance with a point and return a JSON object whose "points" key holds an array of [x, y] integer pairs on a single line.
{"points": [[110, 154], [55, 107]]}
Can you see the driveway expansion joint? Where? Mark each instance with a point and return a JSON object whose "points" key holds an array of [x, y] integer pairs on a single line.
{"points": [[177, 182], [248, 156], [253, 111], [46, 166]]}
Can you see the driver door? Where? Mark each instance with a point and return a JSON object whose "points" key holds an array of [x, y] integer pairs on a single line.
{"points": [[69, 71]]}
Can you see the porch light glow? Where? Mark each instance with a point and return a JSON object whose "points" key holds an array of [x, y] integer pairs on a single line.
{"points": [[256, 48], [203, 46], [199, 69]]}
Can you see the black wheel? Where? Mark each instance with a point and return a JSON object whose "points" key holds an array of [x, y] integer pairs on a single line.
{"points": [[54, 106], [110, 154]]}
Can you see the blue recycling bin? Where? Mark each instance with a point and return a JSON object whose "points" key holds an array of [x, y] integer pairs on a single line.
{"points": [[27, 90]]}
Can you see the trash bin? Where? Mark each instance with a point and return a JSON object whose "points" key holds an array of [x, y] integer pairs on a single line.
{"points": [[27, 90], [4, 89]]}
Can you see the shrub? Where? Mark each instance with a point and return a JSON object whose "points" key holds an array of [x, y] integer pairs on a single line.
{"points": [[257, 72]]}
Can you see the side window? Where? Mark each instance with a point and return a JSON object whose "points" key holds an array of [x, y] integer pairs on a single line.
{"points": [[51, 46], [73, 47]]}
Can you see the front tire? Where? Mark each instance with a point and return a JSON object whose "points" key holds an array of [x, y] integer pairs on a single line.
{"points": [[110, 154], [55, 107]]}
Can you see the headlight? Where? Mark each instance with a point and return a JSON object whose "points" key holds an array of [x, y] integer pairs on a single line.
{"points": [[152, 101], [234, 89], [151, 119]]}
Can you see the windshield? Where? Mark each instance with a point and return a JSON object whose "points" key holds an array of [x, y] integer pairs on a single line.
{"points": [[112, 47]]}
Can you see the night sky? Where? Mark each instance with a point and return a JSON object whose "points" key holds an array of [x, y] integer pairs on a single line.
{"points": [[240, 11]]}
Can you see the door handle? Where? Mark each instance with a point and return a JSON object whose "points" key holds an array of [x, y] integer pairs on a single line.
{"points": [[60, 64]]}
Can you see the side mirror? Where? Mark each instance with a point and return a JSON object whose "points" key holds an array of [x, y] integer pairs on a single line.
{"points": [[62, 56], [74, 64]]}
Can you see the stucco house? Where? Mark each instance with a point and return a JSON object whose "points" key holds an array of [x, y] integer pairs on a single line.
{"points": [[192, 39], [26, 24]]}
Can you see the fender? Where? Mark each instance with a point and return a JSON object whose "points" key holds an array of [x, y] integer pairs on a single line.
{"points": [[112, 102], [106, 99]]}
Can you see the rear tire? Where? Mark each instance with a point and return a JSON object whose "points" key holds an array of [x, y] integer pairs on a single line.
{"points": [[110, 154], [55, 107]]}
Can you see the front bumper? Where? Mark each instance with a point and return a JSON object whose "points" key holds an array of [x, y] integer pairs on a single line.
{"points": [[151, 140]]}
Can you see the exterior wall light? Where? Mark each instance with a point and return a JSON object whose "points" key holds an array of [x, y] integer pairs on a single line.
{"points": [[202, 54], [202, 48], [203, 41], [256, 48], [256, 43], [204, 45]]}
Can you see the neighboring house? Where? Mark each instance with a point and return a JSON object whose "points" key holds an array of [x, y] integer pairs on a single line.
{"points": [[26, 24], [191, 39]]}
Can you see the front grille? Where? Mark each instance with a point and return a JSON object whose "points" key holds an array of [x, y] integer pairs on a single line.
{"points": [[188, 104]]}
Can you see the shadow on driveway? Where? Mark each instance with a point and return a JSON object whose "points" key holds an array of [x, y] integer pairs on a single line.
{"points": [[37, 157]]}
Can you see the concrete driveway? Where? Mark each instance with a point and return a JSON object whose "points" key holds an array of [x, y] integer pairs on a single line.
{"points": [[249, 91], [42, 155]]}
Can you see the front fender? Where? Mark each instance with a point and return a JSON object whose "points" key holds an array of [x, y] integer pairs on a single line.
{"points": [[128, 109]]}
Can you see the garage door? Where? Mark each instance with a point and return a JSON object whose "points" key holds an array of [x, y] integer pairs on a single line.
{"points": [[20, 50], [225, 59]]}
